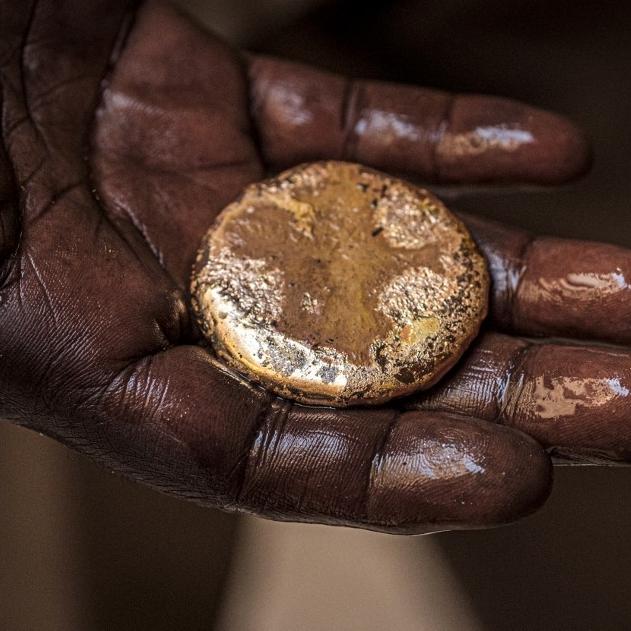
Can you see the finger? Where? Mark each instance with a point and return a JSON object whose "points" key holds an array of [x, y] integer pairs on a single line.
{"points": [[573, 399], [556, 287], [178, 423], [172, 142], [306, 114]]}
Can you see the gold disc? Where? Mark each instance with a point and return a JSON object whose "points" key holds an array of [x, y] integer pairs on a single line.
{"points": [[335, 284]]}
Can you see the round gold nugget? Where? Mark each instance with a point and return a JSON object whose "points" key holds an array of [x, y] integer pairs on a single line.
{"points": [[335, 284]]}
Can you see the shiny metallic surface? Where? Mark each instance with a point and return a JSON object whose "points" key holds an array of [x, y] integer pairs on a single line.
{"points": [[336, 284]]}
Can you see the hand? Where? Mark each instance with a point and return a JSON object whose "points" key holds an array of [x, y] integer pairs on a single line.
{"points": [[123, 135]]}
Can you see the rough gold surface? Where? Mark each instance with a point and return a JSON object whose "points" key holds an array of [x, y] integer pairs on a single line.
{"points": [[338, 285]]}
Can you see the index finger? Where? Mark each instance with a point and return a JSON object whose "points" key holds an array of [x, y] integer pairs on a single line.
{"points": [[306, 114]]}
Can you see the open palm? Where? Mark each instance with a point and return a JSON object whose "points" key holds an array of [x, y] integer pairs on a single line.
{"points": [[125, 132]]}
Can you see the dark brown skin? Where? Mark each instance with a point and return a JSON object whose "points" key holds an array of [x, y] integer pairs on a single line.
{"points": [[123, 134]]}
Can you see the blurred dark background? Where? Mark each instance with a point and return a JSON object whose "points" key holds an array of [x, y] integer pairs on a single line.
{"points": [[82, 549]]}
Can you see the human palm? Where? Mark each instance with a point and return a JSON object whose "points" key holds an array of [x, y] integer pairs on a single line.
{"points": [[125, 132]]}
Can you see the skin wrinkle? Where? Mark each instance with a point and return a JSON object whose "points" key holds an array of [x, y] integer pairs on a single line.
{"points": [[516, 280], [10, 142], [512, 389], [11, 236], [243, 462], [33, 174], [54, 88], [252, 105], [23, 48], [378, 461], [346, 107], [351, 115], [54, 199], [42, 284], [15, 125], [441, 130]]}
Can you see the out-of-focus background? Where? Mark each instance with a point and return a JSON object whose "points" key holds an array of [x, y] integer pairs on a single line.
{"points": [[81, 549]]}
